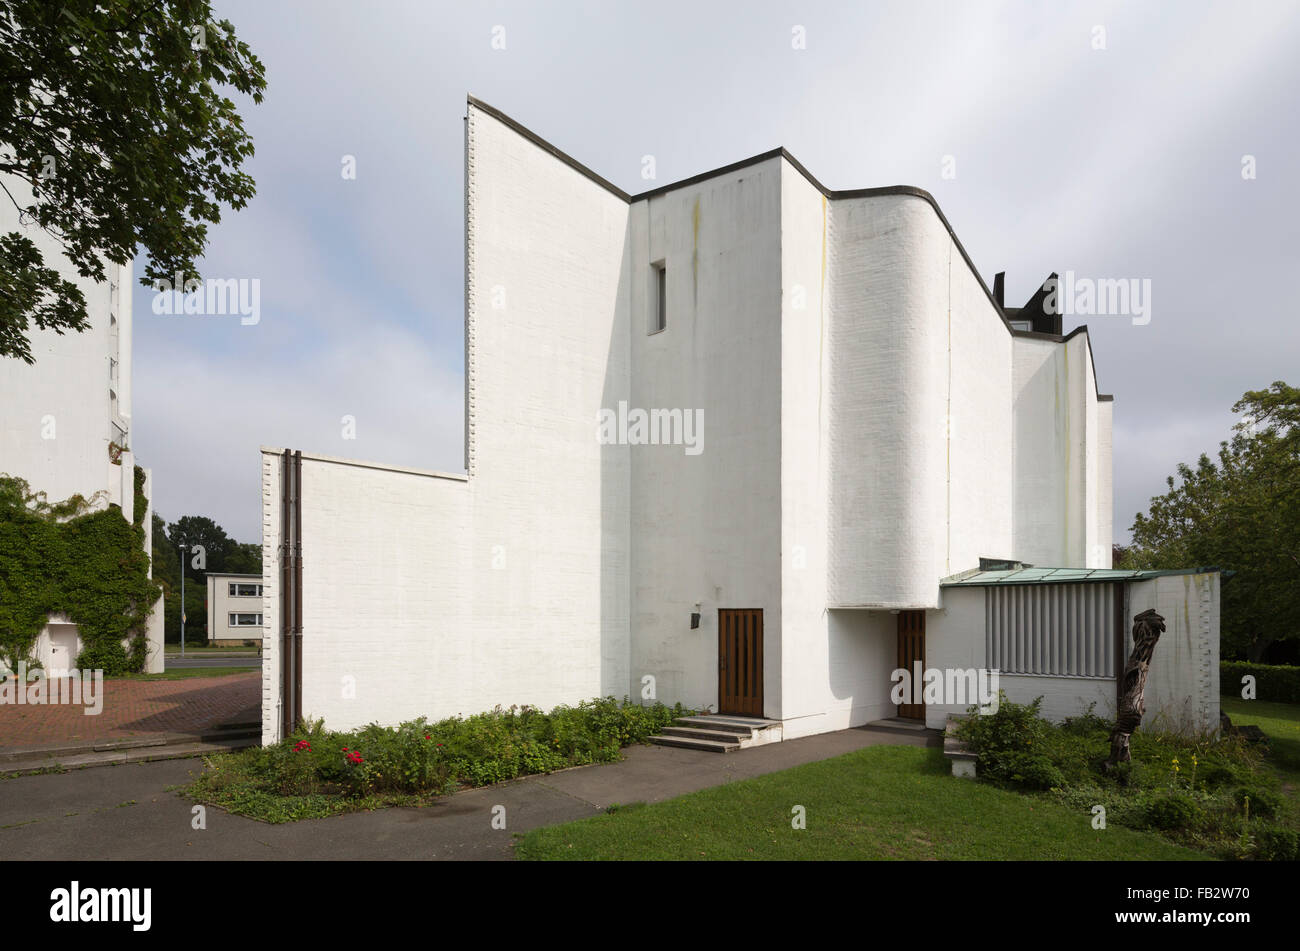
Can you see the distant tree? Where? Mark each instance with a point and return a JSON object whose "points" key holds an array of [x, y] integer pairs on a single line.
{"points": [[196, 614], [221, 554], [191, 530], [166, 564], [245, 559], [1241, 513], [114, 119]]}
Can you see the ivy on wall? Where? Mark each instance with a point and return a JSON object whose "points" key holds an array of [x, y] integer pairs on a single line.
{"points": [[64, 557]]}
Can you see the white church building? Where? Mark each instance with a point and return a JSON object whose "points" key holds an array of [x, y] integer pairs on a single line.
{"points": [[743, 442]]}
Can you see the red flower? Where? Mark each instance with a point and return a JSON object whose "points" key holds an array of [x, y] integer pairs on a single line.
{"points": [[428, 737]]}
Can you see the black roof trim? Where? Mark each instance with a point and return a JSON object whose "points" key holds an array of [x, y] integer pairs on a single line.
{"points": [[1055, 338], [545, 146], [1058, 338], [888, 190], [712, 173]]}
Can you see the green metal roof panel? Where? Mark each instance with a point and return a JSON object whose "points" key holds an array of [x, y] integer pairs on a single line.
{"points": [[977, 578]]}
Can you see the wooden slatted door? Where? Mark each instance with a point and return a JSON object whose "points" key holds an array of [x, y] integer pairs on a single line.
{"points": [[911, 648], [740, 661]]}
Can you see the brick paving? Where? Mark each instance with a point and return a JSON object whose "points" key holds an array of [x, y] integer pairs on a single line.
{"points": [[137, 707]]}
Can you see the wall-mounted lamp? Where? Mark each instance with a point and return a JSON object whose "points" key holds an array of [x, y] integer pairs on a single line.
{"points": [[695, 617]]}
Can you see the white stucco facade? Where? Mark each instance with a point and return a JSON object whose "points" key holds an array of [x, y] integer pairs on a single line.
{"points": [[65, 420], [234, 604], [1182, 687], [871, 425]]}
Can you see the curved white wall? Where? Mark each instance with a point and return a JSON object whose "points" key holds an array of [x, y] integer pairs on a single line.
{"points": [[920, 474], [888, 282]]}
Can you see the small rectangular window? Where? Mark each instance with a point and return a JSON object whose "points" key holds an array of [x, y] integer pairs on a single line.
{"points": [[245, 590], [1021, 325], [659, 295], [245, 620]]}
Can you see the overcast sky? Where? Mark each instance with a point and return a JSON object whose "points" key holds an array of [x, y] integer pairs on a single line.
{"points": [[1122, 162]]}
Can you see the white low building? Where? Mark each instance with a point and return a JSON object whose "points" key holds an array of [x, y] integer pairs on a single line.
{"points": [[838, 415], [65, 420], [234, 609]]}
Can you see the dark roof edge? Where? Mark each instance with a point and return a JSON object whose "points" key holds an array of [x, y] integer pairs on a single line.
{"points": [[909, 190], [1059, 338], [545, 146], [712, 173], [914, 192]]}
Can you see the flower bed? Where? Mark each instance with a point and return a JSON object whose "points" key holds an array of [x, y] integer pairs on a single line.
{"points": [[318, 772]]}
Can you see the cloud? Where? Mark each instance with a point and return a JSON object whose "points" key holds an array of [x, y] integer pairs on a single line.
{"points": [[204, 420], [1116, 163]]}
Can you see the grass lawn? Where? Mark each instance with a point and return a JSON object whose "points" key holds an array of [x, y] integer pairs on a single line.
{"points": [[883, 802], [1281, 721], [174, 650], [186, 672]]}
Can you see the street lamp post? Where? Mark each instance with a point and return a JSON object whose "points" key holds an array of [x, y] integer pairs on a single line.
{"points": [[182, 548]]}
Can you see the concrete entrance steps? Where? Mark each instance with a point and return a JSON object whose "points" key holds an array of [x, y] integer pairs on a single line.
{"points": [[136, 749], [719, 733], [901, 725]]}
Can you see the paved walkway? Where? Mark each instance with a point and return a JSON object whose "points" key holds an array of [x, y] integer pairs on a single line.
{"points": [[125, 812], [136, 707]]}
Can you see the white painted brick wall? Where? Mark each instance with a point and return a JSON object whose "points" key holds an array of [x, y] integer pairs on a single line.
{"points": [[271, 698], [1183, 683], [874, 434], [706, 528]]}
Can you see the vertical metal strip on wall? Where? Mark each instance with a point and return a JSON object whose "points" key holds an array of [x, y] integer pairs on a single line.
{"points": [[286, 604], [290, 591], [297, 587]]}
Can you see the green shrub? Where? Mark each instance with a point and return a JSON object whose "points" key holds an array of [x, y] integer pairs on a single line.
{"points": [[1011, 745], [1275, 843], [1273, 682], [318, 771], [1216, 775], [1173, 810], [108, 656], [1191, 789], [1088, 723], [1263, 802]]}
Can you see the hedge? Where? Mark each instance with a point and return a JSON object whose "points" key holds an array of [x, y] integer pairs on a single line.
{"points": [[1273, 682]]}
